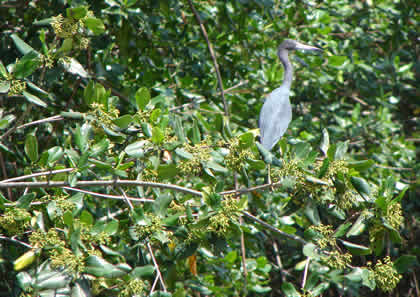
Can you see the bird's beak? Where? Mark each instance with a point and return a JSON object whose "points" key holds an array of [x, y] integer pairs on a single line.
{"points": [[301, 46]]}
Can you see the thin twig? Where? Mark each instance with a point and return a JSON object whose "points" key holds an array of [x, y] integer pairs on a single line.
{"points": [[3, 169], [21, 119], [154, 285], [65, 185], [187, 105], [149, 247], [46, 120], [15, 241], [108, 196], [252, 189], [305, 273], [268, 226], [60, 184], [213, 56], [127, 199], [49, 172], [243, 251], [394, 168], [241, 83]]}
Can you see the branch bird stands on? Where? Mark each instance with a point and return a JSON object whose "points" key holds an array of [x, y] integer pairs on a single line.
{"points": [[276, 112]]}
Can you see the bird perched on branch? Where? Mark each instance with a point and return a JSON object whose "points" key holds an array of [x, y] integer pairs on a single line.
{"points": [[276, 112]]}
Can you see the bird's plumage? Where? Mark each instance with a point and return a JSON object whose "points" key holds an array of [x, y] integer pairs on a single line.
{"points": [[275, 117], [276, 112]]}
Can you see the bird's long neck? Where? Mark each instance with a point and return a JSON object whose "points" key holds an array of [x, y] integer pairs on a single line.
{"points": [[288, 68]]}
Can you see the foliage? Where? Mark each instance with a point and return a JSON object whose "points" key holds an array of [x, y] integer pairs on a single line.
{"points": [[147, 186]]}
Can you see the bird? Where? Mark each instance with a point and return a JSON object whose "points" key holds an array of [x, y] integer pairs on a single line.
{"points": [[276, 113]]}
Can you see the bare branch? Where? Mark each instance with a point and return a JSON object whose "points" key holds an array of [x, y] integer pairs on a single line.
{"points": [[60, 184], [268, 226], [213, 56], [305, 273], [49, 172], [108, 196], [46, 120], [149, 247], [15, 241]]}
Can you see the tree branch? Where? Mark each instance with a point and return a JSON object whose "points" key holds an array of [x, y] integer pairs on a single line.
{"points": [[60, 184], [213, 56]]}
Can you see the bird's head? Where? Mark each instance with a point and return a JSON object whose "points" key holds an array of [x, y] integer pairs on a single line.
{"points": [[291, 45]]}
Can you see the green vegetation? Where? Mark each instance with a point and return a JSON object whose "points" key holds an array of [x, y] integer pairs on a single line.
{"points": [[129, 158]]}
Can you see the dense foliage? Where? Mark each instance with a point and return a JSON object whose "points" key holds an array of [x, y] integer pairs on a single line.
{"points": [[130, 162]]}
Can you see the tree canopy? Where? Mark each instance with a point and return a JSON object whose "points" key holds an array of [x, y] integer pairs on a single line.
{"points": [[130, 162]]}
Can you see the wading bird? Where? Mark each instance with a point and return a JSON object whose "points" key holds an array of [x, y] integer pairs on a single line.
{"points": [[276, 112]]}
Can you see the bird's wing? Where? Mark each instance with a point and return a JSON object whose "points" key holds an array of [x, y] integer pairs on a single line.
{"points": [[275, 117]]}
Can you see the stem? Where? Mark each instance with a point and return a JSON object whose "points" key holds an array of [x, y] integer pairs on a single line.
{"points": [[213, 56]]}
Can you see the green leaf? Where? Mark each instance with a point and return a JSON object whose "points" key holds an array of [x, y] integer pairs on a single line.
{"points": [[6, 121], [157, 135], [246, 140], [136, 149], [289, 290], [25, 260], [25, 200], [101, 268], [167, 171], [155, 115], [183, 153], [54, 154], [311, 211], [77, 13], [143, 271], [324, 168], [31, 147], [4, 86], [27, 65], [74, 67], [360, 225], [86, 218], [81, 136], [111, 228], [142, 98], [341, 230], [35, 87], [81, 288], [95, 25], [3, 71], [124, 121], [361, 165], [34, 99], [310, 250], [268, 157], [341, 150], [404, 263], [337, 61], [21, 45], [161, 204], [356, 249], [361, 186], [315, 180], [51, 280]]}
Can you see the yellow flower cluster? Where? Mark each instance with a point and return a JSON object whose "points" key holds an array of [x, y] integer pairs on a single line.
{"points": [[337, 260], [15, 220], [133, 287], [237, 156], [145, 231], [17, 86], [385, 275], [326, 232], [200, 152]]}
